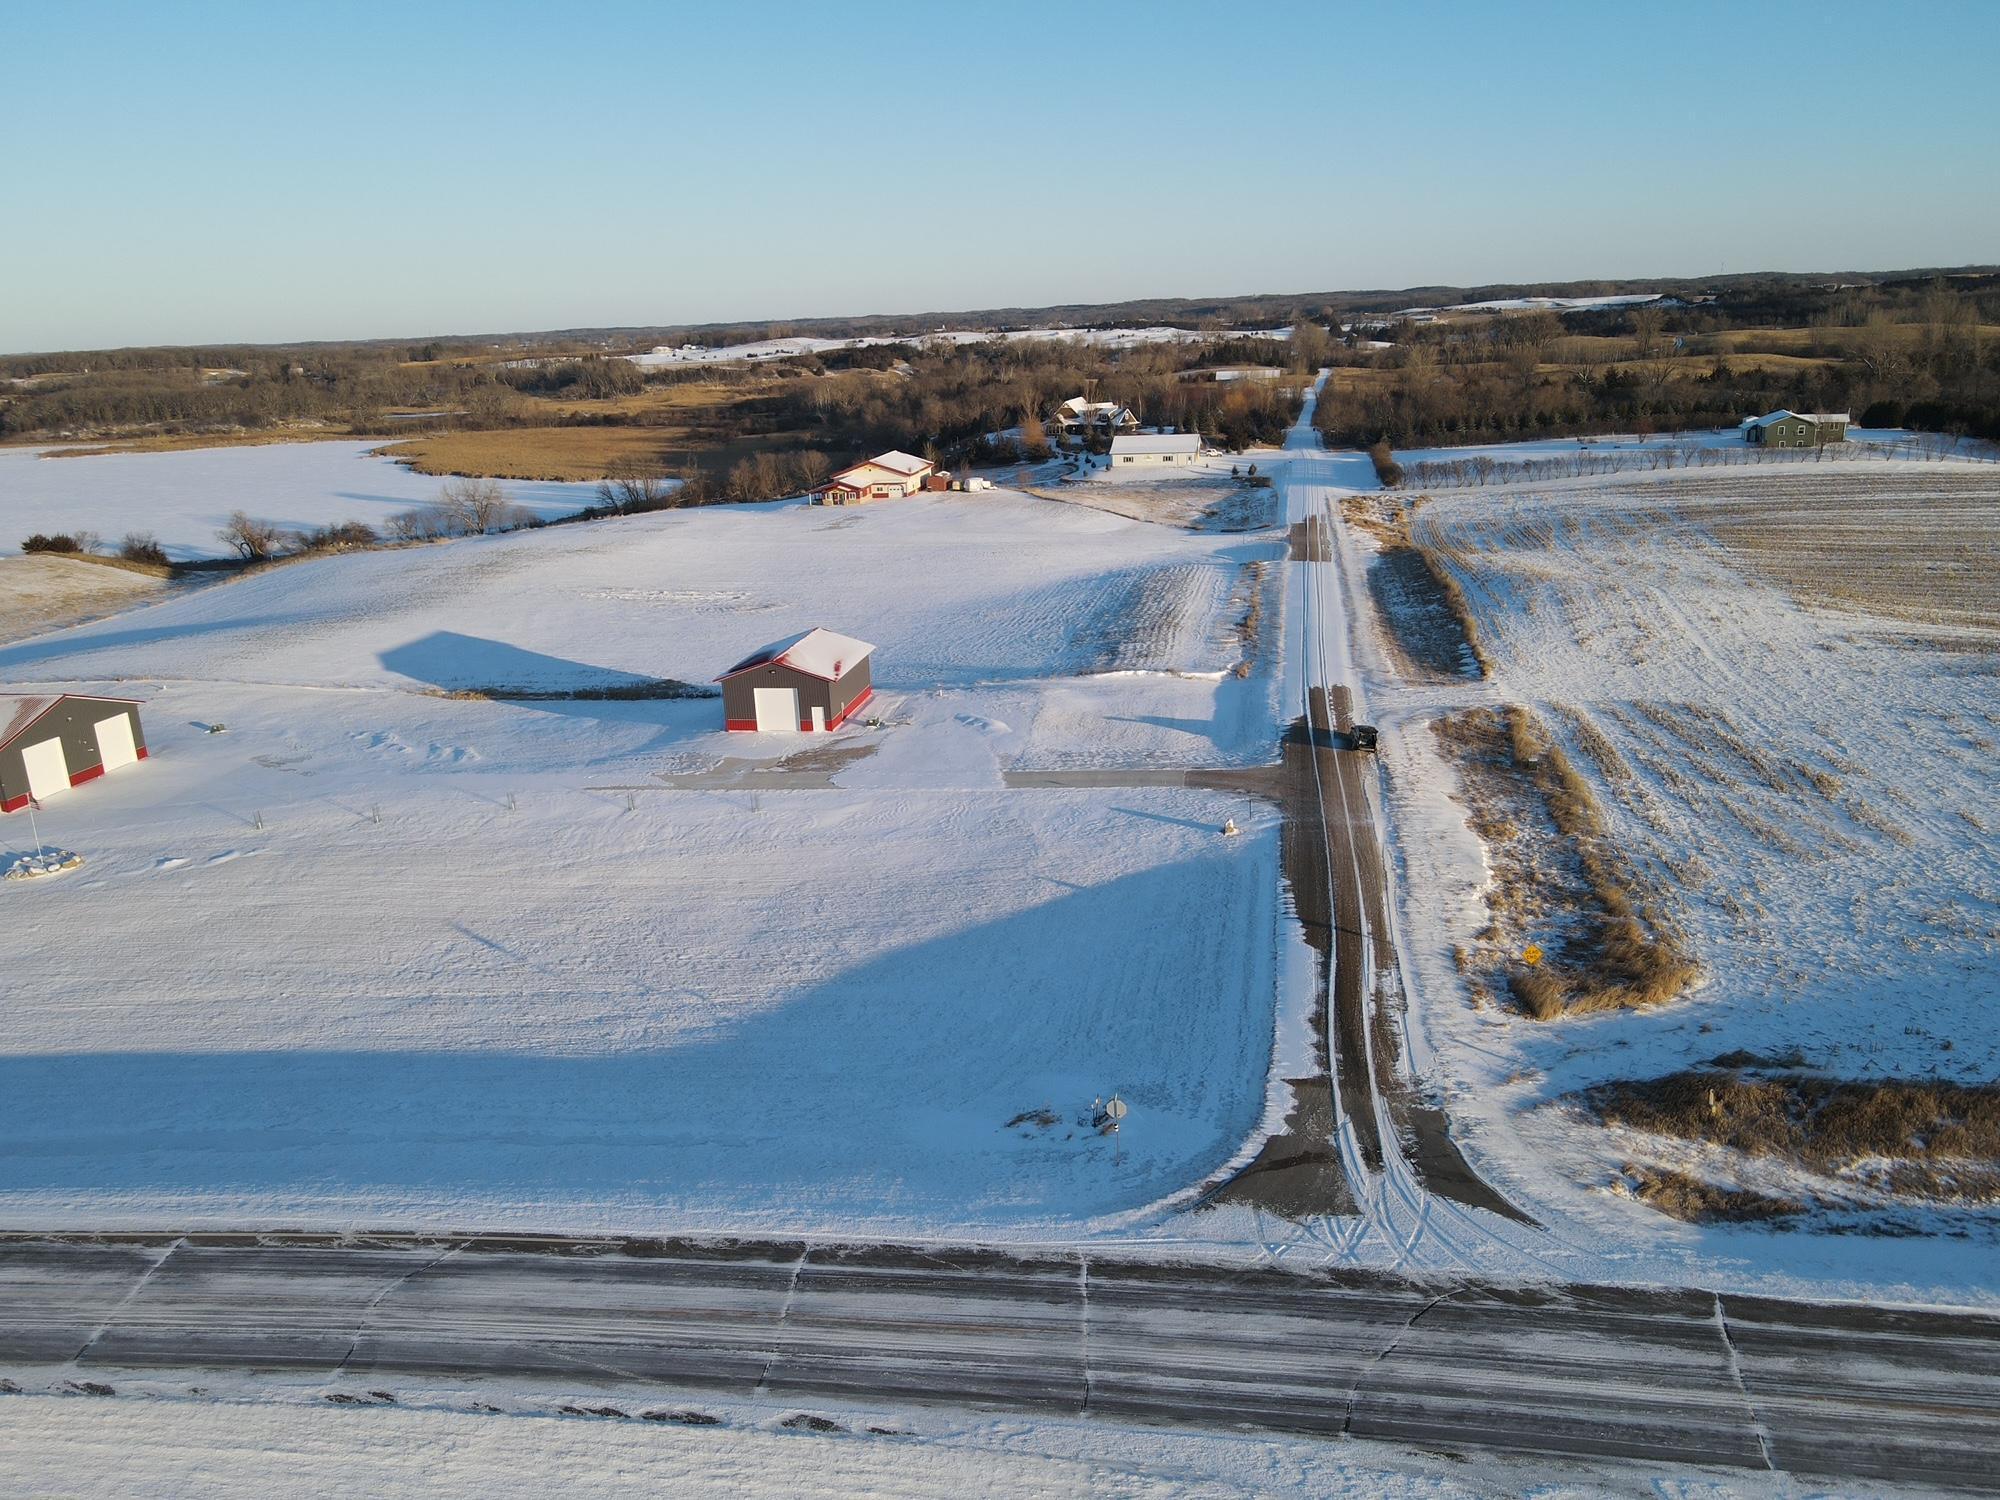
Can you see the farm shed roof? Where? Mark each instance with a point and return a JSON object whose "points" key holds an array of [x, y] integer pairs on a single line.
{"points": [[816, 652], [1158, 442]]}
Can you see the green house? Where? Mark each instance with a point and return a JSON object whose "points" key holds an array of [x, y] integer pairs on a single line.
{"points": [[1796, 429]]}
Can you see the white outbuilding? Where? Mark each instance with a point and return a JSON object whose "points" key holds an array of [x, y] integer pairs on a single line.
{"points": [[1175, 448]]}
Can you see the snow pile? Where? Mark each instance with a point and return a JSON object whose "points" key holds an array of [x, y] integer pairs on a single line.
{"points": [[42, 863]]}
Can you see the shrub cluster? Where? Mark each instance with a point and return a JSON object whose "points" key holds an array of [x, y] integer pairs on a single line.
{"points": [[1386, 468], [142, 547]]}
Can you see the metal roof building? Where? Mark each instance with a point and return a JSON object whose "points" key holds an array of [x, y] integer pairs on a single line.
{"points": [[806, 682], [1156, 448], [50, 742]]}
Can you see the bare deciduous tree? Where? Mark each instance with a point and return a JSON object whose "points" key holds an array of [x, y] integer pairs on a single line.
{"points": [[632, 485], [253, 540], [1647, 324], [476, 506]]}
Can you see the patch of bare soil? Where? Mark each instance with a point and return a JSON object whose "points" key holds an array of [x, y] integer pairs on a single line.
{"points": [[1922, 1139], [1558, 884], [43, 593]]}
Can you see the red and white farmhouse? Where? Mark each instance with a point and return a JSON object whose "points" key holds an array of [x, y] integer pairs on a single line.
{"points": [[886, 476]]}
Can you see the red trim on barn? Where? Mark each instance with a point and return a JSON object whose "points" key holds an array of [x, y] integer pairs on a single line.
{"points": [[848, 712], [78, 778], [142, 753], [14, 804], [739, 723]]}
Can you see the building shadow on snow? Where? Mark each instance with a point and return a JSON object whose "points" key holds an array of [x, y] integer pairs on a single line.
{"points": [[895, 1088]]}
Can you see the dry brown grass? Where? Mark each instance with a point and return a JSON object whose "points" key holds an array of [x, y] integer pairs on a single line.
{"points": [[558, 453], [1925, 1138], [574, 453], [1558, 878], [1693, 1201], [656, 401], [122, 564], [180, 442]]}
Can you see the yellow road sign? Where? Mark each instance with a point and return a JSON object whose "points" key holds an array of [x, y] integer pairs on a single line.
{"points": [[1531, 955]]}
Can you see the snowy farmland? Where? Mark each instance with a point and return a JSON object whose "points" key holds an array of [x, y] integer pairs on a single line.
{"points": [[183, 497], [1781, 685], [381, 953], [789, 348]]}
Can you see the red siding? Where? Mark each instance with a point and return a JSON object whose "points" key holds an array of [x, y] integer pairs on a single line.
{"points": [[848, 712]]}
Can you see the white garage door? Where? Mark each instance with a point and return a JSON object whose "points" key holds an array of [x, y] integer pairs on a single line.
{"points": [[48, 770], [778, 708], [115, 747]]}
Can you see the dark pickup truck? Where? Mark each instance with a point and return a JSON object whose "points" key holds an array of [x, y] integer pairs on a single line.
{"points": [[1361, 737]]}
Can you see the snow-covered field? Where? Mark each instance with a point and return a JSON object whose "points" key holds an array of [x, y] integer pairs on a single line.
{"points": [[1810, 783], [375, 953], [153, 1441], [183, 497], [785, 348], [1552, 304], [1877, 443]]}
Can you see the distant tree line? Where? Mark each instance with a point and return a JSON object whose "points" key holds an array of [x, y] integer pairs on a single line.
{"points": [[1893, 356]]}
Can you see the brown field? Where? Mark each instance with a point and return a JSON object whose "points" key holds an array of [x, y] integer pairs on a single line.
{"points": [[1920, 542], [575, 453], [177, 442], [657, 400]]}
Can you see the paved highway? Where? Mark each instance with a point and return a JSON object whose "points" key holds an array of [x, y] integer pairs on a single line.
{"points": [[1671, 1377]]}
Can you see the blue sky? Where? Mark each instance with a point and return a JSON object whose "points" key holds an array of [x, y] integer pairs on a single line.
{"points": [[220, 172]]}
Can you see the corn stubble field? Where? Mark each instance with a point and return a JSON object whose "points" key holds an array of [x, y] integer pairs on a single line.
{"points": [[1739, 755]]}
